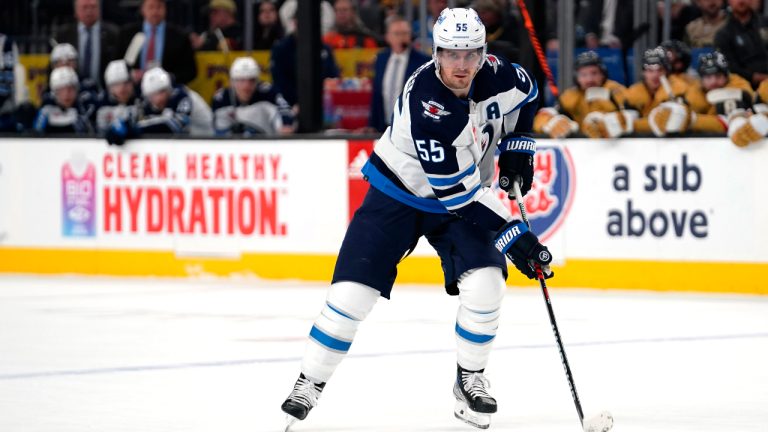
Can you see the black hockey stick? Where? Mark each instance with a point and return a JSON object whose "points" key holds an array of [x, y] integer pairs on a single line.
{"points": [[603, 422]]}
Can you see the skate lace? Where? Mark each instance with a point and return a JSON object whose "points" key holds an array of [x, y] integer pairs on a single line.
{"points": [[305, 392], [475, 384]]}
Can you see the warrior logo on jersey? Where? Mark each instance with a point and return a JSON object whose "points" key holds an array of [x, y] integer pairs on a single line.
{"points": [[550, 198], [434, 110], [494, 62]]}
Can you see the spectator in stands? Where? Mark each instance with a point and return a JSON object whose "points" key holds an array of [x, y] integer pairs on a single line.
{"points": [[593, 92], [679, 56], [268, 27], [374, 13], [287, 14], [120, 102], [741, 42], [249, 106], [165, 45], [16, 112], [658, 88], [434, 7], [682, 11], [348, 29], [96, 40], [284, 67], [224, 32], [393, 65], [500, 29], [719, 96], [63, 113], [700, 33]]}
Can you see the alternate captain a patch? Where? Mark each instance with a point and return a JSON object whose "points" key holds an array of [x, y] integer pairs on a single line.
{"points": [[434, 110]]}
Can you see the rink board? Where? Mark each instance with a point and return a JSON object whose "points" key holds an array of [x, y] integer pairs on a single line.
{"points": [[679, 214]]}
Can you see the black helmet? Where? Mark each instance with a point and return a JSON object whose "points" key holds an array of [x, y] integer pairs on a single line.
{"points": [[656, 56], [712, 63], [589, 58], [681, 50]]}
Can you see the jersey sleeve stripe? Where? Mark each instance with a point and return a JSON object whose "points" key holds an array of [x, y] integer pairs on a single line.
{"points": [[531, 96]]}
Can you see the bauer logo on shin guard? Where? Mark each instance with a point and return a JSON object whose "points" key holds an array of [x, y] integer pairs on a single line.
{"points": [[509, 236]]}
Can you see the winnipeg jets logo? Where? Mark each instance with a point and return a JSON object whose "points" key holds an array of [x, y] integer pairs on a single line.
{"points": [[434, 110], [493, 61]]}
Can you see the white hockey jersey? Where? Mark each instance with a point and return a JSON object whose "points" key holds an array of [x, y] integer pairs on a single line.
{"points": [[438, 154]]}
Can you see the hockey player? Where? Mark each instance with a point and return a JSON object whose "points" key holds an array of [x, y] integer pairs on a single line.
{"points": [[593, 93], [657, 88], [16, 112], [64, 113], [164, 109], [249, 106], [89, 93], [679, 56], [63, 54], [430, 175], [120, 102], [718, 97], [750, 129]]}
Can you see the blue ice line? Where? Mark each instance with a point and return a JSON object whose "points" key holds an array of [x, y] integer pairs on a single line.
{"points": [[242, 362]]}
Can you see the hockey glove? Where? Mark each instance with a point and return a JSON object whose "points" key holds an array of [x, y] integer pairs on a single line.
{"points": [[744, 131], [522, 247], [516, 160], [117, 133]]}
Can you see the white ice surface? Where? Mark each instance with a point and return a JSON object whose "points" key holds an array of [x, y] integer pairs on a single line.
{"points": [[142, 355]]}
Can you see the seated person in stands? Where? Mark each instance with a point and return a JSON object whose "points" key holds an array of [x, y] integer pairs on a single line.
{"points": [[121, 101], [63, 113], [718, 97], [249, 106], [658, 88], [348, 29], [594, 93], [750, 129]]}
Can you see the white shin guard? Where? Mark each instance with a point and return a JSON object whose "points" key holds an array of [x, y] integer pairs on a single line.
{"points": [[480, 293], [347, 304]]}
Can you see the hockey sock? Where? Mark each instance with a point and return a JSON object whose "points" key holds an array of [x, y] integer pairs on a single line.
{"points": [[347, 304], [481, 293]]}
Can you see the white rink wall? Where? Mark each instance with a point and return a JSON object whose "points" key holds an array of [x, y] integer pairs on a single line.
{"points": [[681, 214]]}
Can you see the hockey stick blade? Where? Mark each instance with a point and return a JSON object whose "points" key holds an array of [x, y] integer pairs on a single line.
{"points": [[134, 49]]}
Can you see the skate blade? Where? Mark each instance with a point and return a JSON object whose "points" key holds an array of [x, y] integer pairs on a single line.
{"points": [[476, 419], [289, 420]]}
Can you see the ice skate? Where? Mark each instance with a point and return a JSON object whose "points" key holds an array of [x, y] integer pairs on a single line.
{"points": [[473, 403], [301, 400]]}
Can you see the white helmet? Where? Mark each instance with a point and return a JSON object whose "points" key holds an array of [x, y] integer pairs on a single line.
{"points": [[458, 28], [63, 77], [155, 80], [63, 52], [116, 72], [244, 68]]}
